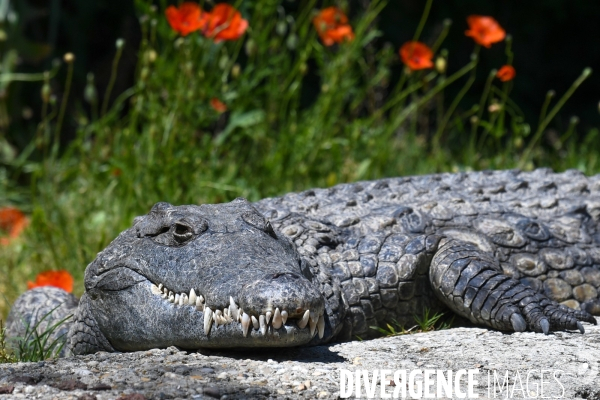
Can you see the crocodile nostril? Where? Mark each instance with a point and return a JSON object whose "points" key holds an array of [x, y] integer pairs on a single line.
{"points": [[278, 275]]}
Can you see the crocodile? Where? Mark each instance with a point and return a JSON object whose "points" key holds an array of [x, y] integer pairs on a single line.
{"points": [[509, 250]]}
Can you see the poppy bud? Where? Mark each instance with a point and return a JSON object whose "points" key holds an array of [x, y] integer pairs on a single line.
{"points": [[292, 41], [250, 47], [69, 58], [304, 68], [46, 91], [144, 72], [151, 55], [119, 43], [518, 142], [587, 72], [235, 70], [281, 28], [223, 61], [440, 65], [89, 93]]}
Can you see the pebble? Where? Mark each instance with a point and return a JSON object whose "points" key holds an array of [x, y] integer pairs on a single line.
{"points": [[311, 372]]}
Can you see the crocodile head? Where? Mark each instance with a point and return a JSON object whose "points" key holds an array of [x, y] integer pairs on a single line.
{"points": [[200, 277]]}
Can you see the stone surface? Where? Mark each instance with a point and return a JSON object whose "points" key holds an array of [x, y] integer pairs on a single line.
{"points": [[314, 372]]}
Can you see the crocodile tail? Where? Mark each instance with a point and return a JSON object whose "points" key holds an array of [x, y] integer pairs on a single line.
{"points": [[85, 336]]}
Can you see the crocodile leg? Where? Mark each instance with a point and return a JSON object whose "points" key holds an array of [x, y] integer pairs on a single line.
{"points": [[471, 282]]}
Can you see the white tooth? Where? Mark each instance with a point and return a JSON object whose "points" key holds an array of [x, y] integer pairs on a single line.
{"points": [[193, 297], [177, 299], [218, 317], [240, 313], [263, 324], [268, 316], [154, 289], [284, 315], [277, 319], [245, 324], [226, 311], [160, 287], [255, 323], [321, 326], [233, 309], [183, 299], [199, 304], [207, 320], [313, 317], [171, 297], [228, 319], [201, 299], [302, 322], [313, 327], [164, 295]]}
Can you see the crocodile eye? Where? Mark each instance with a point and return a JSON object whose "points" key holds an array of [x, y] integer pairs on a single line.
{"points": [[182, 233]]}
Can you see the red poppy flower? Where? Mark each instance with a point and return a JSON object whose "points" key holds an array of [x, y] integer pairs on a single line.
{"points": [[60, 279], [485, 30], [186, 18], [218, 105], [506, 73], [225, 23], [416, 55], [332, 26], [13, 221]]}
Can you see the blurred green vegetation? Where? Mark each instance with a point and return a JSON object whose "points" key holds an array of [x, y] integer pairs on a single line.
{"points": [[161, 140]]}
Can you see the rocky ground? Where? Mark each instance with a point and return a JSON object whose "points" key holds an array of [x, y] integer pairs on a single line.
{"points": [[568, 363]]}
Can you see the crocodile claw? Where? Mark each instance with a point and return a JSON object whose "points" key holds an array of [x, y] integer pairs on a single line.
{"points": [[545, 325], [518, 323]]}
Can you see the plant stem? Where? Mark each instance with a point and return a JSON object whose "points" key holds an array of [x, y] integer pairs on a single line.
{"points": [[63, 105], [561, 102], [423, 20], [113, 78]]}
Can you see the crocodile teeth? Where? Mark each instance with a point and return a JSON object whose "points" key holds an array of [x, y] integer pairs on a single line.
{"points": [[155, 289], [233, 309], [199, 304], [313, 317], [245, 324], [263, 324], [277, 319], [240, 313], [218, 317], [176, 299], [207, 320], [160, 287], [321, 326], [171, 297], [304, 320], [183, 299], [268, 316], [313, 326], [255, 323], [284, 316], [193, 297]]}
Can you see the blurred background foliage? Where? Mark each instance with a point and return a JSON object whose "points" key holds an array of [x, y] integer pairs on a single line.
{"points": [[88, 143]]}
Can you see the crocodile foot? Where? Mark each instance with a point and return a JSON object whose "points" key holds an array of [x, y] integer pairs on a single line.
{"points": [[471, 282]]}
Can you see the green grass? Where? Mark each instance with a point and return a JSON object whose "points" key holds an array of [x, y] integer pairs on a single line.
{"points": [[426, 323], [300, 115]]}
